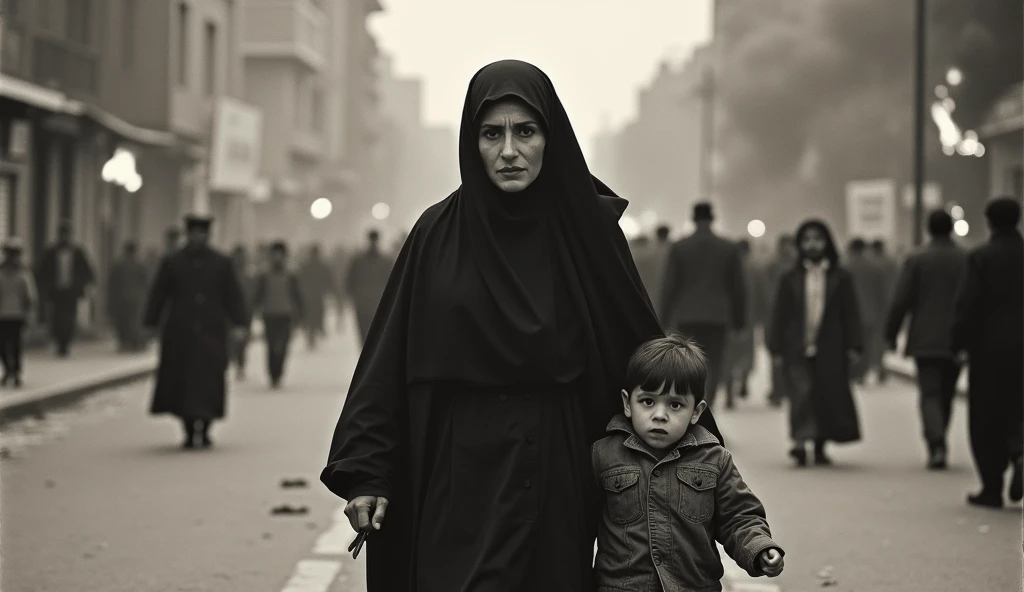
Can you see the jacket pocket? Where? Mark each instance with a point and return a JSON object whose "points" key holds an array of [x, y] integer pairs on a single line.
{"points": [[696, 492], [622, 494]]}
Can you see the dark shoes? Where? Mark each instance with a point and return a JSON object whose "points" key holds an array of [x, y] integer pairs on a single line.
{"points": [[1017, 481], [799, 454], [937, 458], [820, 458], [986, 499]]}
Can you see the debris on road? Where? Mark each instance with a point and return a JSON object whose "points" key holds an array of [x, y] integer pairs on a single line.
{"points": [[293, 483], [286, 510]]}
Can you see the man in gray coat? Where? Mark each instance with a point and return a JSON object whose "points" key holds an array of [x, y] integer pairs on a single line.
{"points": [[924, 292], [703, 293]]}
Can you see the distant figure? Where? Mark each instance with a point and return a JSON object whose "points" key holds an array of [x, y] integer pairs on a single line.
{"points": [[816, 338], [279, 300], [198, 290], [739, 354], [784, 260], [64, 274], [341, 258], [365, 283], [987, 325], [127, 287], [246, 280], [317, 282], [703, 293], [874, 343], [872, 302], [924, 293], [17, 300], [650, 263]]}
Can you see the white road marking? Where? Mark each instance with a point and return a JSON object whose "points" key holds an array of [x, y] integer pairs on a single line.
{"points": [[313, 575]]}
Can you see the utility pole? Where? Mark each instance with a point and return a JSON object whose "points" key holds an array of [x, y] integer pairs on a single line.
{"points": [[920, 62]]}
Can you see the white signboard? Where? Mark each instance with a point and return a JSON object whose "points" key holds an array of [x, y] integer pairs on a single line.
{"points": [[235, 148], [871, 209]]}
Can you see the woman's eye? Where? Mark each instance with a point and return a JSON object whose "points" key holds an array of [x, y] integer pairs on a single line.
{"points": [[526, 132], [491, 134]]}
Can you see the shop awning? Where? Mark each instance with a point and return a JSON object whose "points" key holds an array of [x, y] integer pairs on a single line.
{"points": [[1007, 113]]}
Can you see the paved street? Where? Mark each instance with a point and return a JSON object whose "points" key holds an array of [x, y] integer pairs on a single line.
{"points": [[100, 498]]}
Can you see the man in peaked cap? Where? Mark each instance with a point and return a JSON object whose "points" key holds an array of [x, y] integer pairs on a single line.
{"points": [[63, 276], [197, 294]]}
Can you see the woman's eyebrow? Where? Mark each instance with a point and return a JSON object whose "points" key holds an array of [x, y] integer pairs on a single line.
{"points": [[502, 125]]}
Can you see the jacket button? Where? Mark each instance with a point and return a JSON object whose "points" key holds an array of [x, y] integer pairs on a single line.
{"points": [[657, 473], [502, 398], [698, 481]]}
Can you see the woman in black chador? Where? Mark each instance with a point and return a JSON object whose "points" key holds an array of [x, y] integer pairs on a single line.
{"points": [[494, 361]]}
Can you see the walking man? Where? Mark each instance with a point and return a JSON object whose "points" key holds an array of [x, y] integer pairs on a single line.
{"points": [[64, 274], [198, 289], [784, 260], [126, 296], [703, 294], [17, 300], [874, 342], [317, 282], [924, 293], [987, 325], [240, 341], [650, 264], [367, 278], [872, 301], [278, 299]]}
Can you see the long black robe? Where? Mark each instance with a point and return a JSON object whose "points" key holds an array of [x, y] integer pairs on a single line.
{"points": [[196, 297], [469, 327]]}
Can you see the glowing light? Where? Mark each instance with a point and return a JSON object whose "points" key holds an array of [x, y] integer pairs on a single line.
{"points": [[941, 91], [957, 212], [321, 208], [756, 228], [980, 150], [120, 170], [949, 133], [629, 227], [954, 76], [381, 211], [961, 227], [648, 218], [948, 150], [949, 104]]}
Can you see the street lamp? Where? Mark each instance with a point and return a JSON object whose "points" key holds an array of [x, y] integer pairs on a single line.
{"points": [[961, 227], [381, 211], [321, 208], [954, 76], [756, 228]]}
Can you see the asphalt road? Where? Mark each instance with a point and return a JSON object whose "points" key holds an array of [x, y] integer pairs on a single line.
{"points": [[100, 498]]}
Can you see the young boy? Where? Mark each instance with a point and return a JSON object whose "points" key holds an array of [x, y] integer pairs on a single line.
{"points": [[671, 489]]}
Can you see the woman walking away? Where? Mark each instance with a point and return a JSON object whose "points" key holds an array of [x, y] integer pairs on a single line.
{"points": [[816, 339], [17, 300], [494, 361]]}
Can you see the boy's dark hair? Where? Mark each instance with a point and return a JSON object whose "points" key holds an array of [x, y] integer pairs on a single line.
{"points": [[666, 362], [940, 223]]}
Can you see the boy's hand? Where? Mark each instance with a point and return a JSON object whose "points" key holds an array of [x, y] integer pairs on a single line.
{"points": [[771, 562], [359, 509]]}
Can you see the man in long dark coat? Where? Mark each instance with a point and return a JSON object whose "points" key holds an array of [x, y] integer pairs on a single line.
{"points": [[874, 343], [317, 284], [784, 260], [923, 292], [872, 300], [987, 325], [198, 288], [126, 296], [64, 274], [367, 277], [704, 294]]}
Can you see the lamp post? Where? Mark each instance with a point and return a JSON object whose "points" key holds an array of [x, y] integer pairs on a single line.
{"points": [[919, 101]]}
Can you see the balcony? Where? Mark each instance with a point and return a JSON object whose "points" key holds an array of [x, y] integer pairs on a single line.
{"points": [[285, 29], [57, 66]]}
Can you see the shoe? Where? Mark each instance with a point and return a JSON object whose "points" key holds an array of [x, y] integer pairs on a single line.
{"points": [[799, 453], [205, 441], [17, 381], [188, 444], [6, 379], [937, 460], [986, 499], [820, 458], [744, 391], [1017, 481]]}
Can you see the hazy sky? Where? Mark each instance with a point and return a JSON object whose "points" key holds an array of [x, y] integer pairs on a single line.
{"points": [[597, 52]]}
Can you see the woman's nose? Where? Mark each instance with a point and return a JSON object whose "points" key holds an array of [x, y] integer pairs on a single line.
{"points": [[508, 149]]}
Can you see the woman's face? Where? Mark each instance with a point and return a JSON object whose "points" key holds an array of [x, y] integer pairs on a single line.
{"points": [[813, 244], [511, 145]]}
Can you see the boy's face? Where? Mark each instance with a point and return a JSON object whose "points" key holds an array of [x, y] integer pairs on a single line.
{"points": [[661, 420]]}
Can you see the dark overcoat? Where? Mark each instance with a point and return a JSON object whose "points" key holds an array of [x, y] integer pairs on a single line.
{"points": [[828, 383], [197, 295]]}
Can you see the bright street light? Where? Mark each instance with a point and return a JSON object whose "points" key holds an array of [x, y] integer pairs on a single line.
{"points": [[321, 208], [954, 76], [381, 211], [957, 213], [629, 227], [960, 227], [756, 228]]}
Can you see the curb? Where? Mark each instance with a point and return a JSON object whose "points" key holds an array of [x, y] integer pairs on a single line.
{"points": [[65, 394]]}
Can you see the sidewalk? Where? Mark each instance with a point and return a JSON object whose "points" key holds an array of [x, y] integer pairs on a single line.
{"points": [[49, 380]]}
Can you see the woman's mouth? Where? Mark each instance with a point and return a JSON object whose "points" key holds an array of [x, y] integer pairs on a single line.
{"points": [[510, 171]]}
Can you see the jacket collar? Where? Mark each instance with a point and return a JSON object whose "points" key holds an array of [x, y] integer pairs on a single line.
{"points": [[695, 436]]}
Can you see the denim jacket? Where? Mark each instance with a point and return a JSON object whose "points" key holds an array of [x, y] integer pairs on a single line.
{"points": [[661, 518]]}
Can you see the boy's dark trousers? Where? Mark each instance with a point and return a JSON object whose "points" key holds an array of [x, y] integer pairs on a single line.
{"points": [[278, 333], [936, 381], [10, 346]]}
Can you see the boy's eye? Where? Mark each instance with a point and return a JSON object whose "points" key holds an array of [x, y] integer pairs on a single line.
{"points": [[677, 405], [647, 402]]}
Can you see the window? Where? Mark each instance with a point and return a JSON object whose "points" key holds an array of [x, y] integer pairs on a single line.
{"points": [[211, 59], [78, 15], [128, 33], [183, 44]]}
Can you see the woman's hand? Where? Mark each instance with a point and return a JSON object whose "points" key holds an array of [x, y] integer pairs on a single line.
{"points": [[359, 512], [771, 562]]}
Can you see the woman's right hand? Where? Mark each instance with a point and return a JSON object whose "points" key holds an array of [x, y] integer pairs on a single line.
{"points": [[366, 510]]}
